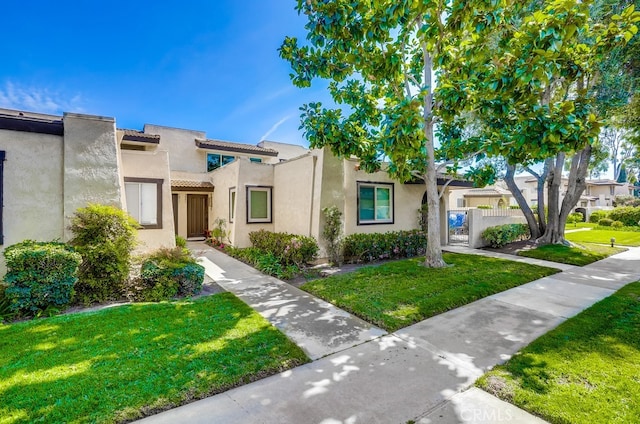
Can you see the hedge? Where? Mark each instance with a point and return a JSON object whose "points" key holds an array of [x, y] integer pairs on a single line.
{"points": [[40, 276], [501, 235], [289, 248], [628, 215], [389, 245]]}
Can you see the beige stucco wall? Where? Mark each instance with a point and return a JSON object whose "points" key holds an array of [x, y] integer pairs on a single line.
{"points": [[181, 146], [479, 223], [152, 164], [91, 173], [285, 151], [224, 179], [475, 201], [293, 195], [32, 188], [250, 174]]}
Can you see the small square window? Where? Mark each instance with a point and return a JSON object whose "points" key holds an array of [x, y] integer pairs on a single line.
{"points": [[375, 203], [256, 160], [258, 204]]}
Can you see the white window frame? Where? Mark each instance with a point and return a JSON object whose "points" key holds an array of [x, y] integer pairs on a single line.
{"points": [[269, 191], [376, 186], [139, 182]]}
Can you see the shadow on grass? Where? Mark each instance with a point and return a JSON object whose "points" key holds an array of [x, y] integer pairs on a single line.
{"points": [[124, 363]]}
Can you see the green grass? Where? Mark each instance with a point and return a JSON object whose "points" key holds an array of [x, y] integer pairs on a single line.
{"points": [[579, 225], [581, 255], [126, 362], [587, 370], [623, 238], [401, 293]]}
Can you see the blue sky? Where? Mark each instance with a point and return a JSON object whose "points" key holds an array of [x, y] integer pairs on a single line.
{"points": [[202, 65]]}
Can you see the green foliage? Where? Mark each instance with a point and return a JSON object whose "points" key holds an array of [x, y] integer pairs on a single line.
{"points": [[6, 313], [579, 255], [626, 201], [617, 224], [502, 235], [331, 233], [574, 218], [40, 276], [605, 222], [167, 273], [219, 233], [290, 249], [264, 261], [484, 207], [629, 215], [379, 246], [104, 236], [514, 207], [181, 241], [596, 216]]}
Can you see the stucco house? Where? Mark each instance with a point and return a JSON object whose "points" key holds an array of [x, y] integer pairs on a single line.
{"points": [[177, 181], [495, 196]]}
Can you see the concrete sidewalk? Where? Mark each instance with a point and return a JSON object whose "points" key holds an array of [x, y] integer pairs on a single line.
{"points": [[421, 372], [318, 327]]}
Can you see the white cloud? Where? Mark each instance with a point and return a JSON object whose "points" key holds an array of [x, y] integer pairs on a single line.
{"points": [[275, 127], [38, 99]]}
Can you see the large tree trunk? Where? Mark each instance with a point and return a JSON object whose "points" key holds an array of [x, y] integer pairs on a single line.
{"points": [[575, 187], [522, 202], [542, 180], [552, 235], [434, 249]]}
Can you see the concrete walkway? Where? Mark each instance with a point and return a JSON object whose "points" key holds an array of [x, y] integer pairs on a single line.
{"points": [[422, 372]]}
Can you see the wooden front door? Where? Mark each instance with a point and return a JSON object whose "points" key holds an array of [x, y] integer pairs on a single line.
{"points": [[174, 202], [197, 216]]}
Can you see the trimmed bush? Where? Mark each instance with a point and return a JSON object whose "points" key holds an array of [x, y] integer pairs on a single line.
{"points": [[40, 276], [332, 233], [502, 235], [514, 207], [168, 273], [617, 224], [574, 218], [290, 249], [104, 236], [596, 216], [484, 207], [389, 245], [263, 261], [628, 215], [605, 222], [6, 313]]}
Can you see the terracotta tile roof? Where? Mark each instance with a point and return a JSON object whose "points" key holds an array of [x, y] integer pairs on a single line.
{"points": [[135, 135], [191, 184], [228, 146]]}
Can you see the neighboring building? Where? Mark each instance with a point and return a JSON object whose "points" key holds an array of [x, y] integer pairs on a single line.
{"points": [[603, 192], [494, 196]]}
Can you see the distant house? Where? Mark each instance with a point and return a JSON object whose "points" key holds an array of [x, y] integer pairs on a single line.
{"points": [[176, 181], [494, 196]]}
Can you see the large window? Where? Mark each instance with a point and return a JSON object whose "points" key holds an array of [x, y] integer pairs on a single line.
{"points": [[258, 204], [216, 160], [232, 204], [144, 201], [375, 203]]}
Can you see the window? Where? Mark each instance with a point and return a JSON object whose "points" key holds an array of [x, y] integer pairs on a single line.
{"points": [[460, 203], [256, 160], [232, 204], [375, 203], [144, 201], [2, 153], [216, 160], [258, 204]]}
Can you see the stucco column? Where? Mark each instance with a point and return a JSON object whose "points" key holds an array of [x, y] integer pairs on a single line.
{"points": [[91, 173]]}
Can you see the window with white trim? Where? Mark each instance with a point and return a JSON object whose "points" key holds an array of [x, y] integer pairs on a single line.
{"points": [[258, 204], [216, 160], [232, 204], [144, 201], [375, 203]]}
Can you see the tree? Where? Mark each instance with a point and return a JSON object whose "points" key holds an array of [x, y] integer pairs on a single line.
{"points": [[536, 94], [381, 57]]}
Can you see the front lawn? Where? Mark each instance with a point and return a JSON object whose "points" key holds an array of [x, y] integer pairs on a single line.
{"points": [[624, 238], [582, 255], [401, 293], [587, 370], [578, 225], [126, 362]]}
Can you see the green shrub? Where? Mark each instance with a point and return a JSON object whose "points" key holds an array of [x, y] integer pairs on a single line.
{"points": [[40, 276], [596, 216], [290, 249], [626, 201], [263, 261], [181, 242], [514, 207], [168, 273], [389, 245], [605, 222], [219, 233], [104, 236], [332, 232], [501, 235], [574, 218], [617, 224], [628, 215], [6, 313], [484, 207]]}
